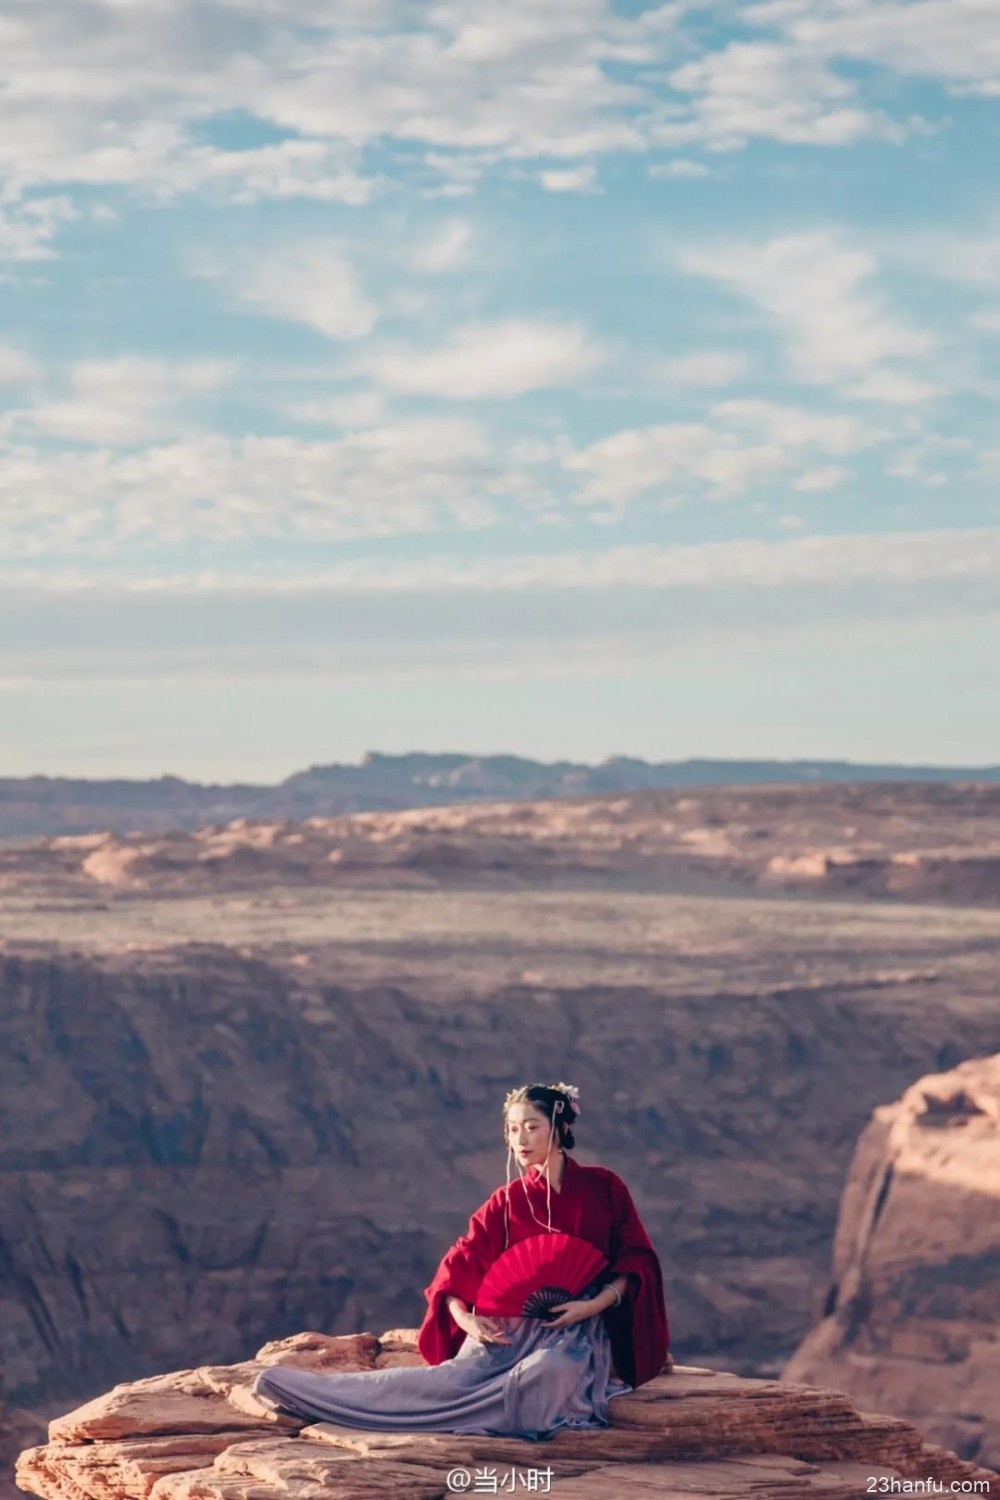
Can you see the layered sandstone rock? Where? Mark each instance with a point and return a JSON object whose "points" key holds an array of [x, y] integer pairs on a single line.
{"points": [[912, 1319], [200, 1435]]}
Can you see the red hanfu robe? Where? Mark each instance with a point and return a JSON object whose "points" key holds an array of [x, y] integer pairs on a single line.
{"points": [[594, 1203]]}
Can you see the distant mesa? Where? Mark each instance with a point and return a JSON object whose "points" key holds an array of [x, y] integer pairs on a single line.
{"points": [[39, 806]]}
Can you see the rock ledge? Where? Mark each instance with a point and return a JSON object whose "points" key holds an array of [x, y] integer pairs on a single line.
{"points": [[200, 1435]]}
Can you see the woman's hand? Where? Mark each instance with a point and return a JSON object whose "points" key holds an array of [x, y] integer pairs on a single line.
{"points": [[570, 1312], [486, 1330]]}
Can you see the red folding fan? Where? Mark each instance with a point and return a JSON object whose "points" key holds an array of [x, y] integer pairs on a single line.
{"points": [[530, 1278]]}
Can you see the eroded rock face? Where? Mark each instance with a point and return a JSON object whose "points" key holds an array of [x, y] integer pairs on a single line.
{"points": [[912, 1320], [201, 1435], [18, 1430]]}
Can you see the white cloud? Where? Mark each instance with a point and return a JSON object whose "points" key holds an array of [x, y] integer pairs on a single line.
{"points": [[956, 41], [818, 480], [929, 460], [318, 170], [619, 468], [17, 368], [906, 558], [119, 94], [350, 410], [971, 258], [109, 496], [114, 94], [91, 109], [28, 229], [386, 480], [818, 291], [486, 360], [679, 167], [895, 388], [310, 283], [125, 401], [446, 250], [540, 614], [987, 321], [767, 91], [705, 368], [747, 442], [582, 179], [795, 427]]}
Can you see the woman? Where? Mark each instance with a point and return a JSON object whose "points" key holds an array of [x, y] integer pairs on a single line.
{"points": [[520, 1376]]}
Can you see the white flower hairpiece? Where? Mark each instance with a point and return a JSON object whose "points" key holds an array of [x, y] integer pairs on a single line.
{"points": [[571, 1091]]}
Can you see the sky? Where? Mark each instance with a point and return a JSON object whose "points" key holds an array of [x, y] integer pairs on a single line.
{"points": [[522, 376]]}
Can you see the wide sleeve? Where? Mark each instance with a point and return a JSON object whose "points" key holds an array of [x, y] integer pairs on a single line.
{"points": [[638, 1328], [459, 1275]]}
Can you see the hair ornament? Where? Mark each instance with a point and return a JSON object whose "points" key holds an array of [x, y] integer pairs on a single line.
{"points": [[570, 1092]]}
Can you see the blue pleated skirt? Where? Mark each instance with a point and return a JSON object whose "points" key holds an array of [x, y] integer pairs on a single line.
{"points": [[543, 1380]]}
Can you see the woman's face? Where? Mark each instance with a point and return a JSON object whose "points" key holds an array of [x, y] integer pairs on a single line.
{"points": [[528, 1131]]}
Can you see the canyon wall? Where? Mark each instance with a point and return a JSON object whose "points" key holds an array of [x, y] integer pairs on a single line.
{"points": [[201, 1149], [912, 1320]]}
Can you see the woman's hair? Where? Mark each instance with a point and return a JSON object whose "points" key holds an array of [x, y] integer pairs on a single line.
{"points": [[544, 1096]]}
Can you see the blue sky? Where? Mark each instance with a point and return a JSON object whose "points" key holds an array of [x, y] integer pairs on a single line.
{"points": [[565, 379]]}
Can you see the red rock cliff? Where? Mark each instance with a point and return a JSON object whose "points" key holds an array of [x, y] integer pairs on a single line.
{"points": [[911, 1322]]}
